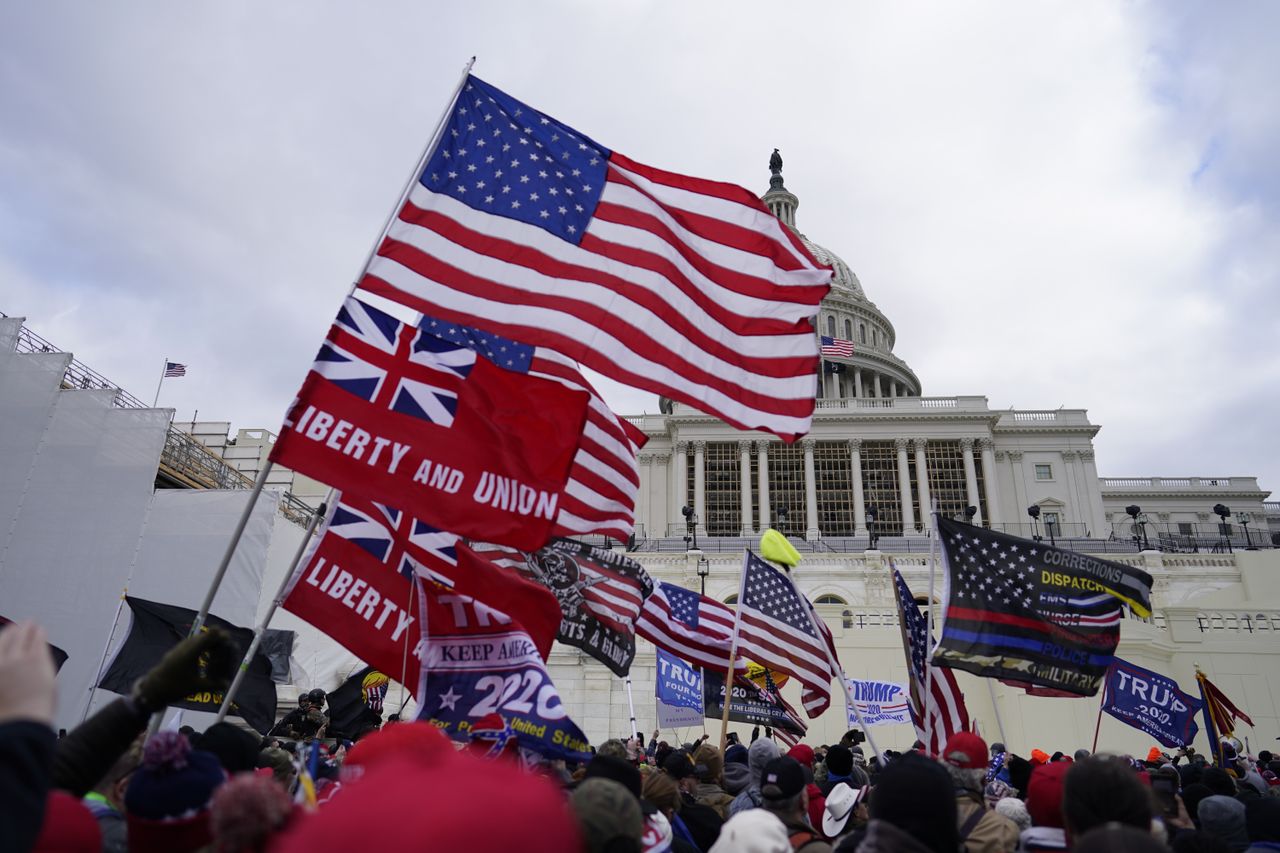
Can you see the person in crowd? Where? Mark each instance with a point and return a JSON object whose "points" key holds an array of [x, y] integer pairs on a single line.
{"points": [[1102, 790], [1192, 795], [663, 792], [288, 725], [1081, 754], [168, 799], [710, 790], [1015, 810], [817, 801], [609, 816], [613, 748], [278, 762], [1044, 807], [839, 769], [248, 813], [702, 822], [616, 769], [1224, 817], [106, 801], [912, 810], [981, 830], [844, 811], [783, 793], [1262, 822], [236, 750], [753, 831], [68, 827], [737, 770], [760, 753], [27, 740], [1198, 841]]}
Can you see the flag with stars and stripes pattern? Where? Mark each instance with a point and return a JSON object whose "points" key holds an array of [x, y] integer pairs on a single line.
{"points": [[777, 630], [689, 288], [937, 705]]}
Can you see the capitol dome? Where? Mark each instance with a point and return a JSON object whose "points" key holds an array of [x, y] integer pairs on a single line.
{"points": [[847, 314]]}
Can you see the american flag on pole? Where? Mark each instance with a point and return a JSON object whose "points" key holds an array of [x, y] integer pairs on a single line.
{"points": [[836, 347], [690, 626], [777, 631], [943, 708], [689, 288], [173, 369]]}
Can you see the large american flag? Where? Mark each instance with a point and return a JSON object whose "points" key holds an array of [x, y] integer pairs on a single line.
{"points": [[777, 625], [939, 711], [685, 287], [600, 495], [690, 626]]}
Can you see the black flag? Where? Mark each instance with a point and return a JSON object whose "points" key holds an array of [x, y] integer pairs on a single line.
{"points": [[157, 628], [751, 703], [355, 708]]}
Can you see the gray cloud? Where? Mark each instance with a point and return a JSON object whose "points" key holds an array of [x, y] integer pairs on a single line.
{"points": [[1071, 204]]}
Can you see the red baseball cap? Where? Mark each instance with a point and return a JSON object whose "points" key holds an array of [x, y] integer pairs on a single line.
{"points": [[966, 751]]}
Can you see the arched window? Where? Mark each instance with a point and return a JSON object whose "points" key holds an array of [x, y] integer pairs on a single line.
{"points": [[732, 599], [848, 330], [828, 598], [862, 333], [875, 337], [831, 325]]}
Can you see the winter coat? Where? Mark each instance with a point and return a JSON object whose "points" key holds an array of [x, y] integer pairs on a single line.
{"points": [[712, 795], [992, 833], [884, 837], [761, 753]]}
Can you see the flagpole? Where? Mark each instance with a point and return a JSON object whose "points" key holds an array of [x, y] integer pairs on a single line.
{"points": [[991, 688], [105, 651], [432, 141], [1098, 727], [254, 493], [261, 628], [164, 367], [928, 668], [733, 654], [635, 731], [404, 661], [850, 704]]}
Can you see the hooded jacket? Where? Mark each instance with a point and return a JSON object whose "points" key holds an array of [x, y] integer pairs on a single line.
{"points": [[761, 753]]}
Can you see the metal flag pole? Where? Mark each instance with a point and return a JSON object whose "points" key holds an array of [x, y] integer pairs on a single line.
{"points": [[102, 664], [432, 141], [261, 629], [1098, 726], [635, 730], [991, 688], [164, 368], [733, 655], [254, 493], [850, 705], [928, 636]]}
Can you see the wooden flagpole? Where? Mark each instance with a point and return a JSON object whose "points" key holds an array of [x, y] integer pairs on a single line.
{"points": [[1098, 727]]}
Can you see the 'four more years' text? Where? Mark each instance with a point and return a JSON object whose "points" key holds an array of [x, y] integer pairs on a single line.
{"points": [[397, 458]]}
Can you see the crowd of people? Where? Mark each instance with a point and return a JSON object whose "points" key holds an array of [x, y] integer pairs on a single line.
{"points": [[106, 785]]}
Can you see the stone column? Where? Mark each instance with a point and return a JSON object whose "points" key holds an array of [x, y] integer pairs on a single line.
{"points": [[1020, 492], [1098, 526], [855, 473], [893, 387], [700, 485], [857, 382], [1077, 509], [904, 488], [922, 479], [879, 387], [762, 463], [971, 478], [992, 481], [810, 491], [744, 460], [680, 479], [643, 504]]}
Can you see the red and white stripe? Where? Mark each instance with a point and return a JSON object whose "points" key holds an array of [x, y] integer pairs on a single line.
{"points": [[706, 645], [778, 646], [600, 495], [681, 286]]}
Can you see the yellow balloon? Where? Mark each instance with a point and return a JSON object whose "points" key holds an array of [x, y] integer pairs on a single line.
{"points": [[775, 548]]}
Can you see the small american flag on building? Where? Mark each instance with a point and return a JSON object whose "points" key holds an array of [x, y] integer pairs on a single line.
{"points": [[836, 348], [172, 368]]}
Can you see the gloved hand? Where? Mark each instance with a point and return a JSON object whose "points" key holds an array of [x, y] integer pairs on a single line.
{"points": [[206, 661]]}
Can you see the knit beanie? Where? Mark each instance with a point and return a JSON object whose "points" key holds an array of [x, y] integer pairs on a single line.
{"points": [[606, 812], [736, 754], [736, 778], [167, 801], [708, 762], [616, 769], [1044, 794], [839, 760], [69, 827], [236, 750], [752, 831], [248, 812], [1224, 817]]}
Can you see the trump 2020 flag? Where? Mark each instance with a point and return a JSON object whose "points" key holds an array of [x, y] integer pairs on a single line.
{"points": [[394, 413], [480, 661], [1151, 702], [1022, 611], [678, 689], [692, 289]]}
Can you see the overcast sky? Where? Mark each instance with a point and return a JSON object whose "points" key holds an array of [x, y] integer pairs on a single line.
{"points": [[1057, 204]]}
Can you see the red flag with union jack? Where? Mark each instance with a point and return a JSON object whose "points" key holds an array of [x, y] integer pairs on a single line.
{"points": [[410, 416]]}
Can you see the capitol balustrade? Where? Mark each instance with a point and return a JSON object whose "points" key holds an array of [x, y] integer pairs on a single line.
{"points": [[184, 462], [1126, 485]]}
